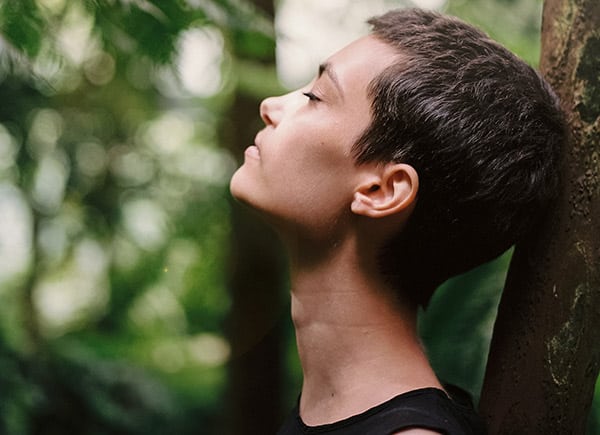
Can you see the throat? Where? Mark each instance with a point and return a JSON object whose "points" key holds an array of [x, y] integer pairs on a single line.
{"points": [[357, 350], [357, 342]]}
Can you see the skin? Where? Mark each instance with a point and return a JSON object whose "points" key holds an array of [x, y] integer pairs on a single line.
{"points": [[357, 343]]}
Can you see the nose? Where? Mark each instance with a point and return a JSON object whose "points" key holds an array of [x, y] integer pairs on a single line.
{"points": [[271, 110]]}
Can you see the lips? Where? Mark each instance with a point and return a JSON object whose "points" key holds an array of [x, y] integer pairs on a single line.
{"points": [[252, 152]]}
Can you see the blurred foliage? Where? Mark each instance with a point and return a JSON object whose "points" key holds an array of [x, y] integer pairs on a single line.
{"points": [[514, 23], [465, 309], [114, 215], [113, 200]]}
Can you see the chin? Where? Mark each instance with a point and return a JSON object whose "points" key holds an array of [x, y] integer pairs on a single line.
{"points": [[248, 193], [236, 185], [241, 188]]}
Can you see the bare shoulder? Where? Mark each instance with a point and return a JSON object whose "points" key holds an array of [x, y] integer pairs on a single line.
{"points": [[417, 431]]}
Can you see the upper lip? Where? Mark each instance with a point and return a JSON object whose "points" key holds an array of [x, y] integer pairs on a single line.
{"points": [[256, 141]]}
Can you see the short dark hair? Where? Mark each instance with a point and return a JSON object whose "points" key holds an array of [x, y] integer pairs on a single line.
{"points": [[482, 129]]}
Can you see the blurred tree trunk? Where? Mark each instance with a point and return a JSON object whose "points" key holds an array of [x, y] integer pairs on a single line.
{"points": [[31, 324], [545, 352], [256, 282]]}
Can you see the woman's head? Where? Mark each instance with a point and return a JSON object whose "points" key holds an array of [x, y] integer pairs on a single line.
{"points": [[483, 131], [428, 103]]}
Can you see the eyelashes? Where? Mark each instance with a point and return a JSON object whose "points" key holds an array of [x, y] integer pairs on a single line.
{"points": [[311, 96]]}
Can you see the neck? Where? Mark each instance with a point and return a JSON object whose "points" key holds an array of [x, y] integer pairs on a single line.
{"points": [[358, 345]]}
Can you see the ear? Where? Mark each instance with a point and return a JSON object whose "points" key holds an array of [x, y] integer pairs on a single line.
{"points": [[387, 190]]}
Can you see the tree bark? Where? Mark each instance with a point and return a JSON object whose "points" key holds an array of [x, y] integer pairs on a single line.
{"points": [[256, 283], [545, 351]]}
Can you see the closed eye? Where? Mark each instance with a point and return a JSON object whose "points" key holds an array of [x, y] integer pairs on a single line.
{"points": [[311, 96]]}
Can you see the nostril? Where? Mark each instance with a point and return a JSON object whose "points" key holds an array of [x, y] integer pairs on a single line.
{"points": [[267, 119], [270, 109], [264, 112]]}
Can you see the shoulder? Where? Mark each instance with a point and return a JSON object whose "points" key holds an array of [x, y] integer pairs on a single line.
{"points": [[434, 412]]}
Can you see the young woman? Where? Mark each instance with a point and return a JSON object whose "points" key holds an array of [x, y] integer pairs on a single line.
{"points": [[418, 152]]}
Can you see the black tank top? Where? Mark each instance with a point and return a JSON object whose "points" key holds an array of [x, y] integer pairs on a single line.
{"points": [[427, 408]]}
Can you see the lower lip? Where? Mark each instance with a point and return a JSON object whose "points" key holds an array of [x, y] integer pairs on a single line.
{"points": [[252, 152]]}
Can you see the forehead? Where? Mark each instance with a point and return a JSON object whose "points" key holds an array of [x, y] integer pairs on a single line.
{"points": [[357, 64]]}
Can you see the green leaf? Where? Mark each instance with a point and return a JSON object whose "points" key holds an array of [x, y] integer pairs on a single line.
{"points": [[22, 25]]}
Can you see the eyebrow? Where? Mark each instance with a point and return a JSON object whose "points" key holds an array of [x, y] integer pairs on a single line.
{"points": [[327, 68]]}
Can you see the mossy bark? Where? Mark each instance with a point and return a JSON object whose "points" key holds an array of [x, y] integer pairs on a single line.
{"points": [[545, 352]]}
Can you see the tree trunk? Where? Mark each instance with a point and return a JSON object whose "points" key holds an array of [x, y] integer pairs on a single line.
{"points": [[545, 352], [256, 282]]}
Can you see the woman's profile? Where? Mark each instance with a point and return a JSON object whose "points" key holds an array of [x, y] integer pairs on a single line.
{"points": [[418, 152]]}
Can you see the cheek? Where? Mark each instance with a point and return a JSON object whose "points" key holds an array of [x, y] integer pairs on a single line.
{"points": [[319, 182], [318, 154], [302, 179]]}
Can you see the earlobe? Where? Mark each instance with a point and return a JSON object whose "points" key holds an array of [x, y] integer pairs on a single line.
{"points": [[390, 191]]}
